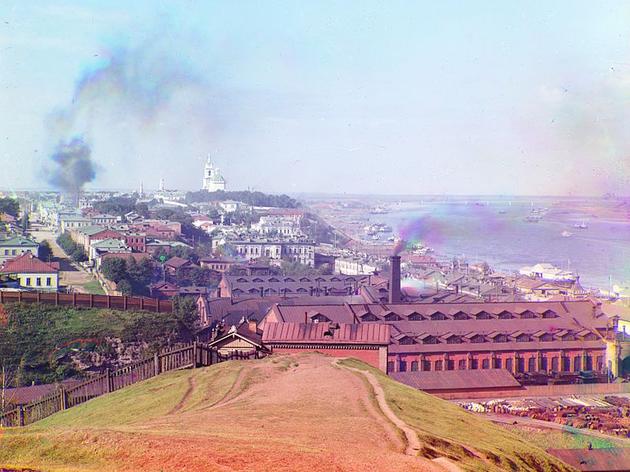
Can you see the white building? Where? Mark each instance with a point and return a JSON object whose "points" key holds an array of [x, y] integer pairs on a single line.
{"points": [[212, 178], [283, 226], [353, 266]]}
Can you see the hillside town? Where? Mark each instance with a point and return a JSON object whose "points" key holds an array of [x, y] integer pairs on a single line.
{"points": [[304, 237]]}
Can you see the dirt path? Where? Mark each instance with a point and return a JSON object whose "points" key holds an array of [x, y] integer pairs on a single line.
{"points": [[413, 444], [186, 396], [234, 391]]}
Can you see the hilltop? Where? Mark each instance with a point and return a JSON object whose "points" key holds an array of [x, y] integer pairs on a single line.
{"points": [[295, 413]]}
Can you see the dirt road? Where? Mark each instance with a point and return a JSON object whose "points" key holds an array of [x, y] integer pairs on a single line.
{"points": [[71, 275]]}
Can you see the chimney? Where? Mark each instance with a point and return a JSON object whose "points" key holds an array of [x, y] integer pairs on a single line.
{"points": [[251, 324], [394, 279]]}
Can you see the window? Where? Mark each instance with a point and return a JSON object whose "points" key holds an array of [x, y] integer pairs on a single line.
{"points": [[543, 364], [546, 337], [520, 364], [454, 340], [522, 338], [38, 281], [426, 366], [438, 365], [402, 365], [549, 314], [474, 364], [390, 366], [554, 364], [438, 316], [406, 340], [28, 281], [485, 363], [460, 315], [461, 364], [577, 364], [505, 315], [600, 363], [414, 316], [483, 315], [509, 364], [369, 317], [430, 340], [392, 317], [531, 364], [498, 363], [477, 338], [564, 364], [589, 363], [48, 281], [500, 338], [450, 365], [528, 314], [414, 366]]}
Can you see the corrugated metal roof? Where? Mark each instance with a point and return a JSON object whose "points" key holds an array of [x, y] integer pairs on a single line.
{"points": [[326, 333], [457, 379]]}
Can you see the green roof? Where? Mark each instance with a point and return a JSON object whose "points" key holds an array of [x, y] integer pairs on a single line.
{"points": [[109, 243], [18, 241], [91, 230]]}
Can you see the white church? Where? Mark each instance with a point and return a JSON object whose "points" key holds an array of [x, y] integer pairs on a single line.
{"points": [[212, 178]]}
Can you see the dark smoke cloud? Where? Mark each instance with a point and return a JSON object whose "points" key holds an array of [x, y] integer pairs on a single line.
{"points": [[74, 165]]}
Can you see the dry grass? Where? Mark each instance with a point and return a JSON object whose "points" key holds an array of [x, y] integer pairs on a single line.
{"points": [[289, 413]]}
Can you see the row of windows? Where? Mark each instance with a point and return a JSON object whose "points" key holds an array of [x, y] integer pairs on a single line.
{"points": [[318, 290], [38, 282], [460, 315], [289, 279], [497, 338], [557, 364]]}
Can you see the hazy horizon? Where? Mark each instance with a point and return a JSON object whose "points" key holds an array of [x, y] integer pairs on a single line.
{"points": [[356, 98]]}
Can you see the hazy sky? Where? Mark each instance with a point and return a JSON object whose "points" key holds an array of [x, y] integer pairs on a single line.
{"points": [[358, 97]]}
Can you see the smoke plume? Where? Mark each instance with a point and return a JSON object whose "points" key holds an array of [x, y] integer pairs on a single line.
{"points": [[74, 167], [125, 91]]}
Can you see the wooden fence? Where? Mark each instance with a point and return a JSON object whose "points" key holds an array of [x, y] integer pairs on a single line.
{"points": [[189, 356], [87, 300]]}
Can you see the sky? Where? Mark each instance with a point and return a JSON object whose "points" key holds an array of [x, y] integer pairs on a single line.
{"points": [[357, 97]]}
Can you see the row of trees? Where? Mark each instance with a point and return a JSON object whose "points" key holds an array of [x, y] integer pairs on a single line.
{"points": [[72, 249], [131, 277], [245, 196], [120, 206]]}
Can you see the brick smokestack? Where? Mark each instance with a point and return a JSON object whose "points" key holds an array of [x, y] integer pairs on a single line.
{"points": [[394, 279]]}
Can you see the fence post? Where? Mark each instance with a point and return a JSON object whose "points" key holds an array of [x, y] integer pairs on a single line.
{"points": [[194, 354], [63, 399], [108, 381], [21, 415], [156, 363]]}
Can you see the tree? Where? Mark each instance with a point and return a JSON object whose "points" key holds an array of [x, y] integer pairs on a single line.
{"points": [[124, 287], [10, 206], [45, 252], [185, 309], [114, 269], [78, 254]]}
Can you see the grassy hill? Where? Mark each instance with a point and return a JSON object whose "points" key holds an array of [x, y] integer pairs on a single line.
{"points": [[298, 413]]}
